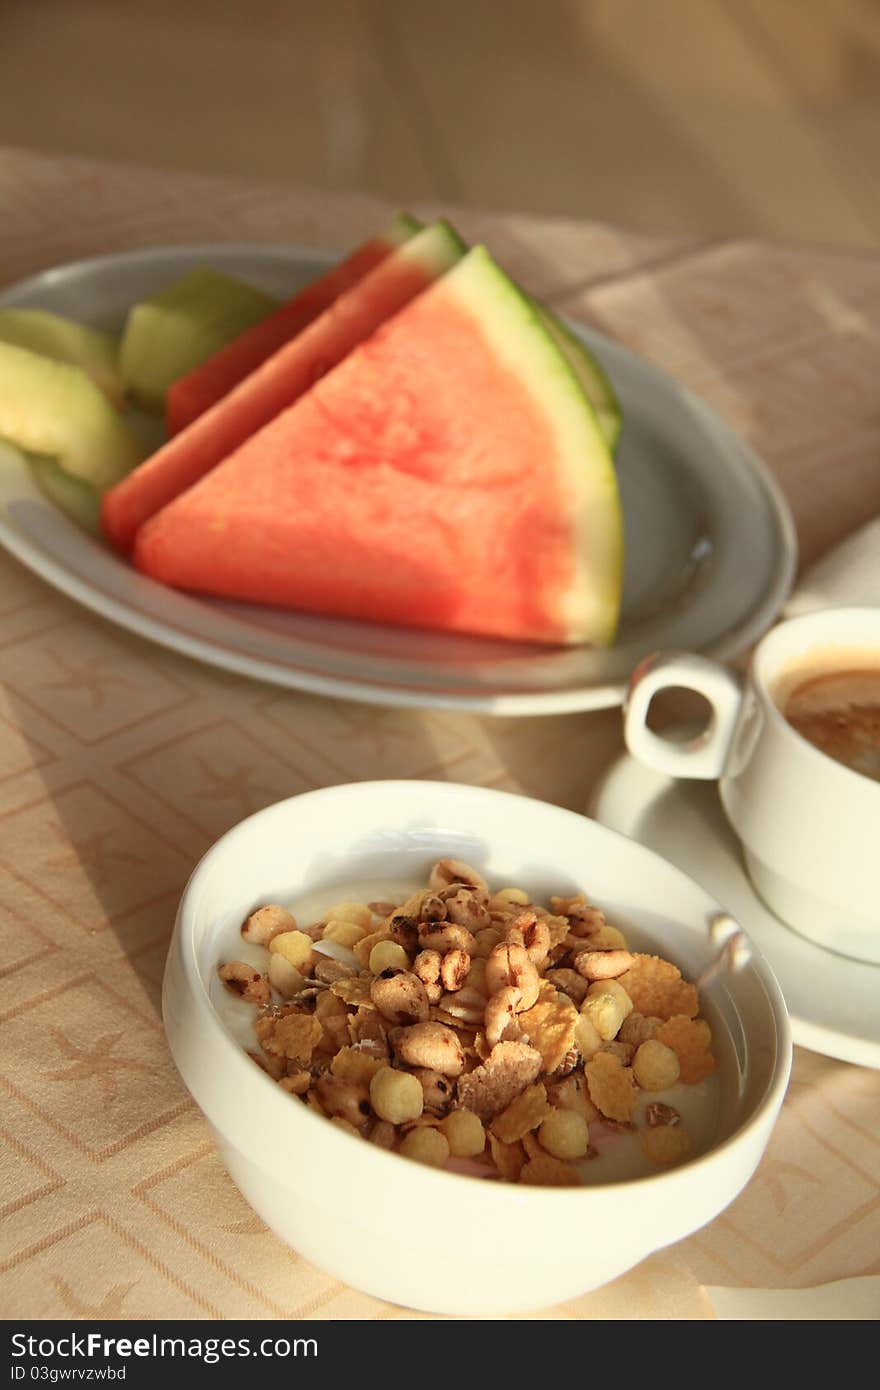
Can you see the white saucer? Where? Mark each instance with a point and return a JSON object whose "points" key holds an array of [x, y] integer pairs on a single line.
{"points": [[833, 1002]]}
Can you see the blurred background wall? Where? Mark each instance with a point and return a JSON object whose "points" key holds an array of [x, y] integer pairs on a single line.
{"points": [[717, 116]]}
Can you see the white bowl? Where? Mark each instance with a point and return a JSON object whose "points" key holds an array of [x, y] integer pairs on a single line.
{"points": [[414, 1235]]}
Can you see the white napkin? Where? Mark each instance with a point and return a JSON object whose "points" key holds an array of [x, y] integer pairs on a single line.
{"points": [[848, 576], [844, 1300]]}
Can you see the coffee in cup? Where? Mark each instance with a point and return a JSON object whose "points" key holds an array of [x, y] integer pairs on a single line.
{"points": [[795, 748], [838, 711]]}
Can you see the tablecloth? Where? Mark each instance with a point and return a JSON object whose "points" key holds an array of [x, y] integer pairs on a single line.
{"points": [[120, 763]]}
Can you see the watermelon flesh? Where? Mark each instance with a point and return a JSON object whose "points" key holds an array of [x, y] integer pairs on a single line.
{"points": [[285, 376], [449, 474], [191, 395]]}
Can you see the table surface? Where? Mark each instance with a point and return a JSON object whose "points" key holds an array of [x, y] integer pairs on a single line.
{"points": [[121, 762]]}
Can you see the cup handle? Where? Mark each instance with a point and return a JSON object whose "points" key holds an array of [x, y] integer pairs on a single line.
{"points": [[704, 756]]}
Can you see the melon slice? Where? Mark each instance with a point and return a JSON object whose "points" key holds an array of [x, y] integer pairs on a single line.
{"points": [[63, 340], [196, 391], [55, 409], [278, 382], [78, 499], [180, 326], [449, 474]]}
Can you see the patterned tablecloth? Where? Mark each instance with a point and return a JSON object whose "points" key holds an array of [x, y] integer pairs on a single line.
{"points": [[121, 762]]}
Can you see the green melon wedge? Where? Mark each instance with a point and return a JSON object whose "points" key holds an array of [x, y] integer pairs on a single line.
{"points": [[448, 474], [76, 498], [55, 409], [179, 327], [64, 340]]}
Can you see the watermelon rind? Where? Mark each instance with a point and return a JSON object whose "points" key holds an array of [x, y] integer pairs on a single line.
{"points": [[584, 467], [437, 247], [591, 375], [403, 226]]}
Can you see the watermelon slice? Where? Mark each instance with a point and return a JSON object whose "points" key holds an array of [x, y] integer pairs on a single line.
{"points": [[278, 382], [449, 474], [195, 392]]}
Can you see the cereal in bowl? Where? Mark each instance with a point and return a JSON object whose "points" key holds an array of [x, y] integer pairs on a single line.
{"points": [[478, 1031]]}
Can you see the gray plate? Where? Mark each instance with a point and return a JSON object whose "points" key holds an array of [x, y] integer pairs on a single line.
{"points": [[710, 542]]}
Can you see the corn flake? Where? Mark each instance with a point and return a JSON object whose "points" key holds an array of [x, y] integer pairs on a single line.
{"points": [[545, 1171], [690, 1039], [366, 1025], [612, 1086], [551, 1026], [354, 1065], [353, 990], [522, 1115], [509, 1159], [665, 1144], [293, 1035], [655, 987]]}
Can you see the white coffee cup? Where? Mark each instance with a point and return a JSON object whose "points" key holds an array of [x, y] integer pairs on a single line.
{"points": [[809, 826]]}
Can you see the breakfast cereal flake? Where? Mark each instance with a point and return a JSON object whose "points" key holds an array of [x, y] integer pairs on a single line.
{"points": [[354, 990], [690, 1039], [551, 1026], [356, 1065], [612, 1086], [291, 1035], [509, 1159], [522, 1115], [365, 1025], [655, 986], [532, 1144], [509, 1068], [665, 1144], [545, 1171]]}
